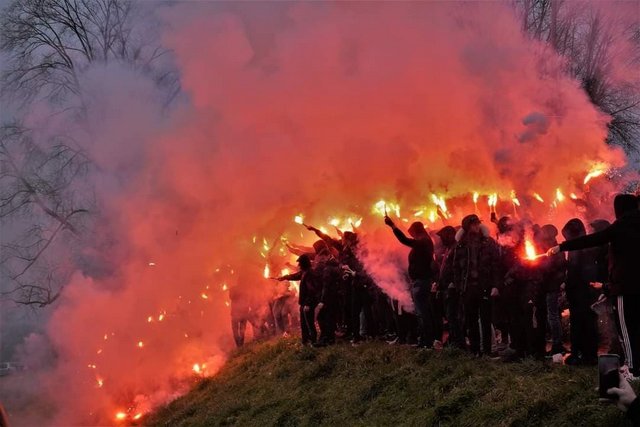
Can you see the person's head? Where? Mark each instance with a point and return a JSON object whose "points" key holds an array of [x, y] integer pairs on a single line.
{"points": [[471, 224], [547, 236], [417, 231], [574, 228], [505, 225], [320, 246], [304, 262], [350, 239], [599, 224], [447, 235], [624, 203]]}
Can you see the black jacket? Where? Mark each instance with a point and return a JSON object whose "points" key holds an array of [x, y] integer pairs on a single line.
{"points": [[420, 255], [310, 287], [458, 265], [623, 236]]}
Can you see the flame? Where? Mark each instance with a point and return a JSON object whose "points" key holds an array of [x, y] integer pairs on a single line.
{"points": [[152, 264], [492, 201], [121, 416], [196, 368], [266, 271], [559, 196], [140, 344], [433, 216], [530, 250], [225, 287], [227, 303], [161, 318], [514, 198], [475, 197], [204, 296], [538, 197], [137, 416], [298, 219], [383, 208], [596, 171], [100, 382], [573, 196], [441, 203]]}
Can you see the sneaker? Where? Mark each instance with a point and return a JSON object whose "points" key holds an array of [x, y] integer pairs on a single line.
{"points": [[557, 358]]}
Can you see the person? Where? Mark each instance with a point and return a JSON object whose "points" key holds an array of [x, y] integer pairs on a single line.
{"points": [[510, 238], [420, 274], [452, 310], [623, 238], [308, 298], [524, 279], [554, 273], [331, 275], [240, 312], [627, 401], [581, 271], [474, 269]]}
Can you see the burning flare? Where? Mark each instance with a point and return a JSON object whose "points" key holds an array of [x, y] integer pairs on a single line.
{"points": [[596, 171]]}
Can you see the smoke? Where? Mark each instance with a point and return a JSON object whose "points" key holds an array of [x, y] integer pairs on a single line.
{"points": [[319, 109]]}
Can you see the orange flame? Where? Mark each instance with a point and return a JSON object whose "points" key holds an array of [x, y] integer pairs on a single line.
{"points": [[595, 172], [538, 197], [559, 196], [121, 416], [530, 250]]}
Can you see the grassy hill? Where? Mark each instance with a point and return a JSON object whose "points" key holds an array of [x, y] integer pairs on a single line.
{"points": [[283, 383]]}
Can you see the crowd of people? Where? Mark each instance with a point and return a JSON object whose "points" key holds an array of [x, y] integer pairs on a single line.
{"points": [[475, 291]]}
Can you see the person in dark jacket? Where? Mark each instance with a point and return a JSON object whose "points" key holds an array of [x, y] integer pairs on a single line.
{"points": [[553, 276], [420, 274], [453, 311], [623, 238], [529, 317], [331, 275], [308, 298], [581, 271], [474, 267]]}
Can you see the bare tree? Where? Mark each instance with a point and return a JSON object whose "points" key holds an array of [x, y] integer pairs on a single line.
{"points": [[589, 43], [49, 43], [37, 209]]}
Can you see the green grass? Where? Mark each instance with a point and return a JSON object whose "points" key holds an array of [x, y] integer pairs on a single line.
{"points": [[284, 384]]}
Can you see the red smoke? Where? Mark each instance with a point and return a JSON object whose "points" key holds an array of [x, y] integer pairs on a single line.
{"points": [[323, 109]]}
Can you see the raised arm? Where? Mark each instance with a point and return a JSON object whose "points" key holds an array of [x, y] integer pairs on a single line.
{"points": [[589, 241], [335, 243], [402, 238]]}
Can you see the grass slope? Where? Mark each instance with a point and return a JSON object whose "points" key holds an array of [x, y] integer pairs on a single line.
{"points": [[282, 383]]}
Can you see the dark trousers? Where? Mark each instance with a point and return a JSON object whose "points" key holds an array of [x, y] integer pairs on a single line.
{"points": [[360, 303], [327, 323], [455, 318], [437, 313], [420, 291], [308, 325], [584, 331], [627, 311], [477, 306]]}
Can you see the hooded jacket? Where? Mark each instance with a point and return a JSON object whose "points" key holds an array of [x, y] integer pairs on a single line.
{"points": [[623, 236], [459, 263]]}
